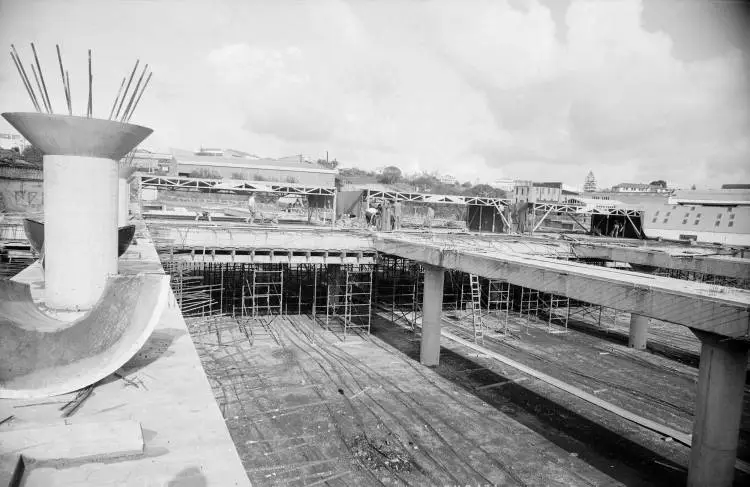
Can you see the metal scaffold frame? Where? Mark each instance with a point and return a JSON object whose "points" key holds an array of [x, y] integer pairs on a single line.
{"points": [[353, 307], [549, 304], [499, 300]]}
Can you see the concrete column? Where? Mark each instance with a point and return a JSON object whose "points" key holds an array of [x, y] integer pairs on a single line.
{"points": [[432, 309], [638, 332], [123, 192], [80, 231], [80, 200], [718, 410]]}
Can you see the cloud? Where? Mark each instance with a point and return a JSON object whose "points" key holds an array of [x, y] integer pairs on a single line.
{"points": [[533, 89]]}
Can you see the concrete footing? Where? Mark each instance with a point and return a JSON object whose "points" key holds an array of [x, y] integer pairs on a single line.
{"points": [[638, 332], [721, 384], [432, 310]]}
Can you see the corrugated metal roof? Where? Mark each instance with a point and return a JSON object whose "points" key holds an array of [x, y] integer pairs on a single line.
{"points": [[187, 157]]}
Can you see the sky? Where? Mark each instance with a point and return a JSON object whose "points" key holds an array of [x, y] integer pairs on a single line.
{"points": [[546, 90]]}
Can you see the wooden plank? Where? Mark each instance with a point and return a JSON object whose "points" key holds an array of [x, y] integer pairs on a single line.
{"points": [[75, 442]]}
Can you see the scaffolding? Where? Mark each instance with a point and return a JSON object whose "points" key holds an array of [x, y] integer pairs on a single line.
{"points": [[476, 308], [499, 301], [351, 300], [550, 304], [529, 303]]}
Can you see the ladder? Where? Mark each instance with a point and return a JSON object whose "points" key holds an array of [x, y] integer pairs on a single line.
{"points": [[476, 308]]}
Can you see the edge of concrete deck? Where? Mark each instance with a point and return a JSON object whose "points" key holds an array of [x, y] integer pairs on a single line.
{"points": [[186, 438]]}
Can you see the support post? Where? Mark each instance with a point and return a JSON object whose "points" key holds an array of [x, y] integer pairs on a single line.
{"points": [[638, 332], [718, 410], [432, 308]]}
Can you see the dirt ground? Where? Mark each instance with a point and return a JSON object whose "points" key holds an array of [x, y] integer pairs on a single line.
{"points": [[312, 409]]}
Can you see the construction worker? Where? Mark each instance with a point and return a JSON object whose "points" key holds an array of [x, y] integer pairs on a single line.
{"points": [[397, 215], [370, 216]]}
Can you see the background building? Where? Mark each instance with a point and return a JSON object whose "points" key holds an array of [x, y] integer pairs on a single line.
{"points": [[639, 188], [589, 184], [231, 164], [9, 141]]}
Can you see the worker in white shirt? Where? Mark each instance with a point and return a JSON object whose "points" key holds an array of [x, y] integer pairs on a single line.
{"points": [[252, 208]]}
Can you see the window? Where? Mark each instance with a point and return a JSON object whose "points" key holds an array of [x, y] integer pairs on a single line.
{"points": [[718, 216], [684, 222], [696, 222], [731, 217], [698, 215], [718, 222], [654, 220], [687, 215], [657, 213], [665, 220], [692, 208], [729, 210], [669, 213], [731, 224]]}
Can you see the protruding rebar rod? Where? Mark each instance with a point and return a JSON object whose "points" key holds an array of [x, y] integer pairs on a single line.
{"points": [[39, 85], [62, 75], [91, 80], [29, 89], [41, 77], [26, 77], [139, 96], [67, 85], [112, 112], [134, 94], [127, 88]]}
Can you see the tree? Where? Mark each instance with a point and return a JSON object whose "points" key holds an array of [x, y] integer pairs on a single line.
{"points": [[32, 155], [486, 190], [390, 175], [328, 164], [659, 182]]}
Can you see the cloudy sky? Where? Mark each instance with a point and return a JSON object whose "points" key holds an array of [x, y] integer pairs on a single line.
{"points": [[533, 89]]}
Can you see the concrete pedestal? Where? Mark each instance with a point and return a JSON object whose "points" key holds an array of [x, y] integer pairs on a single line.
{"points": [[638, 332], [123, 210], [80, 200], [721, 384], [432, 310], [80, 244]]}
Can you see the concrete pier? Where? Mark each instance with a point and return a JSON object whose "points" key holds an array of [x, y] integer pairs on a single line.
{"points": [[721, 385], [80, 195], [638, 332], [81, 200], [432, 308]]}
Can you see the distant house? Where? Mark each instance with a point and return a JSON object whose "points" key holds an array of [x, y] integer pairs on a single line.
{"points": [[531, 192], [447, 179], [638, 188], [232, 164], [150, 162], [9, 141], [504, 184]]}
